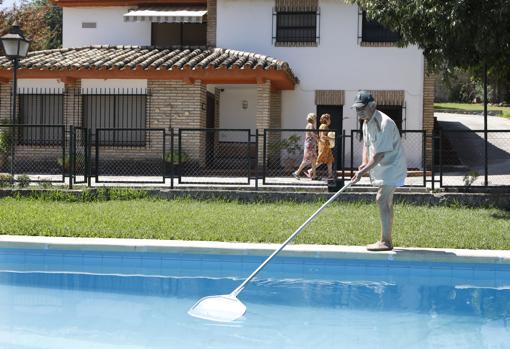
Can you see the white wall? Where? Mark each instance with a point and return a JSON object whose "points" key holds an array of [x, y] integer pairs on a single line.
{"points": [[41, 85], [338, 62], [232, 115], [110, 27], [116, 85]]}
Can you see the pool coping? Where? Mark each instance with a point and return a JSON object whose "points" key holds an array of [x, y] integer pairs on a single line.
{"points": [[255, 249]]}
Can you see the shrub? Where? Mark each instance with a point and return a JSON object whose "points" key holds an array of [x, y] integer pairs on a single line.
{"points": [[5, 140], [5, 180], [46, 185], [470, 177], [184, 157], [23, 181], [66, 162]]}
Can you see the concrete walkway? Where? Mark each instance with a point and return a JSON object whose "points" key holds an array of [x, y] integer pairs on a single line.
{"points": [[469, 147]]}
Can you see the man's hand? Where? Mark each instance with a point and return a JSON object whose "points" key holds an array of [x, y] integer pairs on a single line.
{"points": [[357, 176]]}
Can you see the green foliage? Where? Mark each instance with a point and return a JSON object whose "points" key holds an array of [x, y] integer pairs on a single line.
{"points": [[455, 33], [291, 144], [40, 20], [59, 213], [65, 163], [23, 181], [470, 177], [88, 195], [6, 180], [472, 107], [46, 185], [184, 157], [5, 140]]}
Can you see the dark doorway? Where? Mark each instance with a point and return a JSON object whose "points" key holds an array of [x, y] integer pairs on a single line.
{"points": [[209, 123], [336, 112]]}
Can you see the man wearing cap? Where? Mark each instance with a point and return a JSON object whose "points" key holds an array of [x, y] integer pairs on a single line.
{"points": [[383, 159]]}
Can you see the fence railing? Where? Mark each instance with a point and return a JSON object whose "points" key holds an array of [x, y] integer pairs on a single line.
{"points": [[236, 157]]}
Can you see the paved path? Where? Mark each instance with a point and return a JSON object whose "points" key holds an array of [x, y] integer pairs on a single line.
{"points": [[470, 146]]}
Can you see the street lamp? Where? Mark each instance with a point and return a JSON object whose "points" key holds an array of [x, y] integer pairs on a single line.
{"points": [[15, 47]]}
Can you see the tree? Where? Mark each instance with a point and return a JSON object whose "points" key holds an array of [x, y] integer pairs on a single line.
{"points": [[40, 20], [465, 34]]}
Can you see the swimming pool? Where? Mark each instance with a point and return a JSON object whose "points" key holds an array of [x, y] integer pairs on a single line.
{"points": [[72, 298]]}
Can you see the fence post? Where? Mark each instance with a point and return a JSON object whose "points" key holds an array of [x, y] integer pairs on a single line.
{"points": [[256, 159], [433, 160], [248, 156], [163, 164], [264, 156], [352, 151], [441, 158], [171, 158], [88, 152], [424, 157], [72, 153], [343, 155]]}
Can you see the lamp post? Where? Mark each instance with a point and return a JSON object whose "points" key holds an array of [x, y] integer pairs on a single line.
{"points": [[15, 47]]}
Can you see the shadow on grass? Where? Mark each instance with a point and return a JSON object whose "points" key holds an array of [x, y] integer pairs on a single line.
{"points": [[501, 215]]}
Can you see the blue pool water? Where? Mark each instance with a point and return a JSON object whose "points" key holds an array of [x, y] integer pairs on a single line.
{"points": [[77, 299]]}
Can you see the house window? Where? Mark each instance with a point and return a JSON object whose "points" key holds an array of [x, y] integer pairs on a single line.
{"points": [[179, 35], [372, 31], [116, 119], [40, 114], [296, 28]]}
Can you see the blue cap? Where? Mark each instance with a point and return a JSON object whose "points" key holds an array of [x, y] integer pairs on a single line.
{"points": [[362, 99]]}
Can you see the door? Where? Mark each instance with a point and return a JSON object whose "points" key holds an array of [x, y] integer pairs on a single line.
{"points": [[336, 112]]}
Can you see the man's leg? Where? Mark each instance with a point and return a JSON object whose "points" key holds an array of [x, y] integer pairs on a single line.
{"points": [[384, 200]]}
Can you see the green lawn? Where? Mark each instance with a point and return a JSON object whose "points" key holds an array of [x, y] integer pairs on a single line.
{"points": [[342, 223], [471, 106]]}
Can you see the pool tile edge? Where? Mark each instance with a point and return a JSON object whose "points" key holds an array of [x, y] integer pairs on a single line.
{"points": [[214, 247]]}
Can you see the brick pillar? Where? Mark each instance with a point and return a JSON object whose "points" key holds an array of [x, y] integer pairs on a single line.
{"points": [[73, 104], [428, 112], [5, 102], [211, 23], [269, 113], [177, 104]]}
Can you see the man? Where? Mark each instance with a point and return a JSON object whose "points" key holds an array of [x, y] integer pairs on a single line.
{"points": [[383, 159]]}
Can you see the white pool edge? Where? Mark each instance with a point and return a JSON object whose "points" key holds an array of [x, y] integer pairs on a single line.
{"points": [[214, 247]]}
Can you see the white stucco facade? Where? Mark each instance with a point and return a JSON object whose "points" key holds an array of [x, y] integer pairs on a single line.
{"points": [[110, 28], [337, 63], [238, 110]]}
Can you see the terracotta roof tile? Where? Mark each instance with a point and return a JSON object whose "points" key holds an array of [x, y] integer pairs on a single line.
{"points": [[104, 57]]}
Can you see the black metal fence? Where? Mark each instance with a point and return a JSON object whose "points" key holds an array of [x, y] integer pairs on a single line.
{"points": [[283, 153], [419, 162], [462, 159], [33, 153], [215, 156], [129, 155], [235, 157]]}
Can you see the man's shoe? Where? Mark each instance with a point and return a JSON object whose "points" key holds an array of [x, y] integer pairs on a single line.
{"points": [[380, 246], [295, 175]]}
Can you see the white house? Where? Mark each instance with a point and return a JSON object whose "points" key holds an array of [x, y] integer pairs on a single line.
{"points": [[229, 64]]}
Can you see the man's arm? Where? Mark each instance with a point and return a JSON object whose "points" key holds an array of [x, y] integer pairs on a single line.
{"points": [[372, 162], [364, 159]]}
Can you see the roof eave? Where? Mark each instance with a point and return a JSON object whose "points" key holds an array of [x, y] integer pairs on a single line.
{"points": [[281, 80], [104, 3]]}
